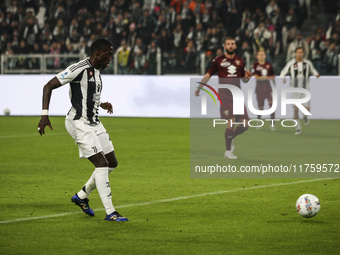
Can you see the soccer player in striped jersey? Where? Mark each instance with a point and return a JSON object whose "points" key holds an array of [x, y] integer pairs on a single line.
{"points": [[299, 70], [84, 126], [263, 71]]}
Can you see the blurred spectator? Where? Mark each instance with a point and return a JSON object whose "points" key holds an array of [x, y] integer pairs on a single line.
{"points": [[189, 57], [289, 28], [22, 61], [119, 30], [273, 44], [123, 53], [30, 33], [60, 31], [330, 60], [245, 52], [196, 6], [165, 45], [60, 13], [73, 26], [137, 12], [55, 50], [213, 40], [209, 58], [74, 39], [131, 38], [271, 8], [84, 49], [139, 46], [305, 5], [298, 42], [87, 29], [248, 24], [315, 52], [151, 57], [146, 26], [177, 4], [139, 64], [34, 62]]}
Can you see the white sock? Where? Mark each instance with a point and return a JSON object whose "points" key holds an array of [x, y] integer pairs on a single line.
{"points": [[88, 187], [103, 187], [298, 126]]}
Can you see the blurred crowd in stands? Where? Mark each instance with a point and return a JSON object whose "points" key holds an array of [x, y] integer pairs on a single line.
{"points": [[178, 30]]}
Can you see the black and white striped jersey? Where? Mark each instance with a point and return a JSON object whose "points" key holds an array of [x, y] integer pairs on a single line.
{"points": [[85, 90], [299, 72]]}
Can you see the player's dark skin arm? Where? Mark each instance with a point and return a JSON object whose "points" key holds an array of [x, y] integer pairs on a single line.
{"points": [[47, 92]]}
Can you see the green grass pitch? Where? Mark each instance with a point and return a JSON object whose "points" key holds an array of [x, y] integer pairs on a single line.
{"points": [[169, 212]]}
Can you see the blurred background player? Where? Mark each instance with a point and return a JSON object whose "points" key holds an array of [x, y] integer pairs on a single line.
{"points": [[230, 69], [83, 124], [263, 71], [299, 70]]}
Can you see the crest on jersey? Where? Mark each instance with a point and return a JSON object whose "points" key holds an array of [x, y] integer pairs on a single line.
{"points": [[64, 74], [237, 62], [91, 73], [264, 72]]}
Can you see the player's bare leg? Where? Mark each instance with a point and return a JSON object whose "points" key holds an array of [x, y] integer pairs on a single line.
{"points": [[259, 117], [306, 120], [272, 116], [240, 128], [296, 118]]}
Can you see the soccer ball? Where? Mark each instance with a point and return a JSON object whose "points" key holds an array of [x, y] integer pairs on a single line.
{"points": [[308, 205]]}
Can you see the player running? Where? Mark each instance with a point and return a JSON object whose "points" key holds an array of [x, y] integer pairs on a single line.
{"points": [[229, 68], [263, 71], [83, 124], [299, 70]]}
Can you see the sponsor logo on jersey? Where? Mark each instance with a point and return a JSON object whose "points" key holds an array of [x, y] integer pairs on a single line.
{"points": [[225, 64], [232, 69], [91, 79]]}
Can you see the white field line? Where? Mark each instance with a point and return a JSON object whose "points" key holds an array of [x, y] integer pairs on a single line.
{"points": [[51, 133], [169, 199]]}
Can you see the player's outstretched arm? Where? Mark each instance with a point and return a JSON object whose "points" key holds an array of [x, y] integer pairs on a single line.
{"points": [[107, 106], [47, 92], [204, 80]]}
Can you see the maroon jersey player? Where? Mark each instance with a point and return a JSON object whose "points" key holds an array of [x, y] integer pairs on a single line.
{"points": [[229, 68], [263, 71]]}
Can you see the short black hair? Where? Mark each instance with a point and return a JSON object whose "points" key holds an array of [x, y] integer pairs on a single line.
{"points": [[99, 45], [299, 48]]}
